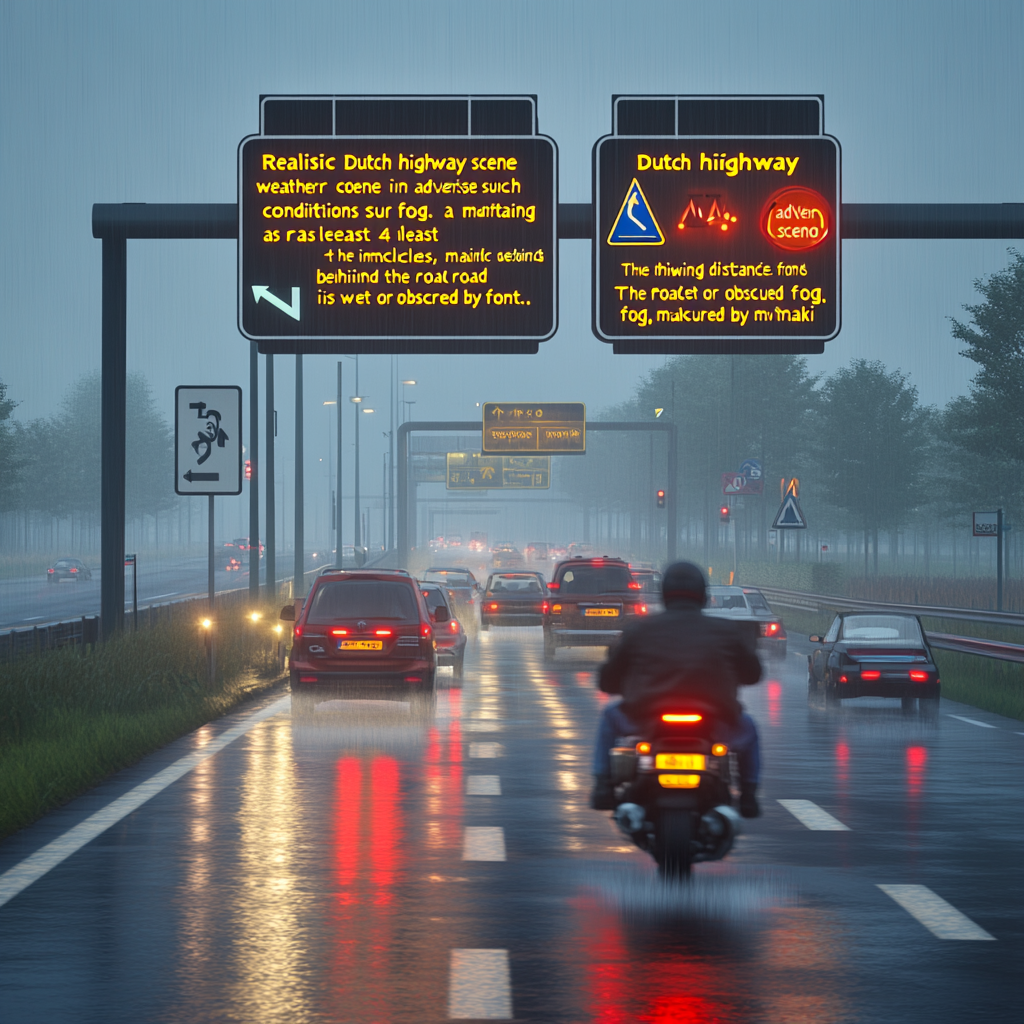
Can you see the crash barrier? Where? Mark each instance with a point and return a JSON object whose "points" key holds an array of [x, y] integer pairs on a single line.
{"points": [[945, 641]]}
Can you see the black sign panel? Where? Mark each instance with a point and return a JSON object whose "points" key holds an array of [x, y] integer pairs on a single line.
{"points": [[717, 240], [543, 427], [407, 239]]}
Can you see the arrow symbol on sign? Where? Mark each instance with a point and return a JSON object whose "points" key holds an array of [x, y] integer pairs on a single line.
{"points": [[262, 291], [658, 412], [192, 477]]}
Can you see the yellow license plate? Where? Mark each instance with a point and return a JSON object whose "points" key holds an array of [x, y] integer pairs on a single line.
{"points": [[679, 781], [684, 762], [610, 613], [361, 645]]}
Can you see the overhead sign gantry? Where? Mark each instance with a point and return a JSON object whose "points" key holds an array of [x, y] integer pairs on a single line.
{"points": [[398, 225], [717, 226]]}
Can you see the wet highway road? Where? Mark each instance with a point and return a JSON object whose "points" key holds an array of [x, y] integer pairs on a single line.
{"points": [[371, 868]]}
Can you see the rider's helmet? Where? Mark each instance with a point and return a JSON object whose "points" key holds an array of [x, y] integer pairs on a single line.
{"points": [[684, 583]]}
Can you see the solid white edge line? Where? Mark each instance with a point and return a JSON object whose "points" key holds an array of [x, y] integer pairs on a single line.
{"points": [[974, 721], [813, 817], [479, 985], [32, 868], [942, 919]]}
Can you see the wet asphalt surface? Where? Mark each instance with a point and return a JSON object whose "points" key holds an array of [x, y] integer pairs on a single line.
{"points": [[314, 871]]}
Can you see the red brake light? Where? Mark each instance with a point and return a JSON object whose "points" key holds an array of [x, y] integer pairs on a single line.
{"points": [[633, 585], [553, 586], [843, 679], [307, 679], [49, 570], [382, 632], [918, 675], [454, 625], [544, 607], [339, 632], [73, 569], [425, 630], [771, 628], [682, 718], [871, 674], [297, 631], [642, 609], [494, 607]]}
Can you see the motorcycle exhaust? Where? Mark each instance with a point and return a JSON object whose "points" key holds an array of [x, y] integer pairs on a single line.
{"points": [[718, 831]]}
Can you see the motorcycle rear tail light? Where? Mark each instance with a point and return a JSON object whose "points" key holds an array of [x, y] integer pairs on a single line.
{"points": [[682, 718], [719, 750], [871, 674], [918, 676]]}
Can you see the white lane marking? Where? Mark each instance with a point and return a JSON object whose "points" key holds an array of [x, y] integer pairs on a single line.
{"points": [[486, 750], [483, 843], [481, 726], [483, 785], [479, 986], [32, 618], [156, 597], [974, 721], [32, 868], [942, 919], [810, 814]]}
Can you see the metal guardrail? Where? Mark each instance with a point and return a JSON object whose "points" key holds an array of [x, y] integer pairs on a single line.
{"points": [[999, 650]]}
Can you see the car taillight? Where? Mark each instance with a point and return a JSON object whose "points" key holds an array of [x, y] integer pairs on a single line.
{"points": [[425, 630], [843, 679], [544, 607], [556, 609], [682, 718], [73, 569], [454, 625], [633, 585], [339, 632], [918, 676], [494, 606], [49, 570], [641, 609], [871, 674], [297, 631], [382, 632], [307, 679], [769, 628]]}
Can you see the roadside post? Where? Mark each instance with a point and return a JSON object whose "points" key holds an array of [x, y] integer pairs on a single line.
{"points": [[990, 524], [208, 460], [133, 561]]}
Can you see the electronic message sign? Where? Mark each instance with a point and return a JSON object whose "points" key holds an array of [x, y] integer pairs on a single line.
{"points": [[409, 239], [715, 239], [468, 471], [558, 428]]}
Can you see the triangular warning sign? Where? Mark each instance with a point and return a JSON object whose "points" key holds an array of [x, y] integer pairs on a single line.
{"points": [[789, 516], [635, 223]]}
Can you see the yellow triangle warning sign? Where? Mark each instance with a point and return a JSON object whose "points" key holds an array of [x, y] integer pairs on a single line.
{"points": [[635, 223]]}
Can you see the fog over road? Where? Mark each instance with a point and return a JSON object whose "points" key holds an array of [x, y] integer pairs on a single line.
{"points": [[355, 868]]}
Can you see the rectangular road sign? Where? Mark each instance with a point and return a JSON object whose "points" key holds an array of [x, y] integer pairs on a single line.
{"points": [[207, 440], [468, 471], [703, 240], [986, 524], [557, 428], [420, 242]]}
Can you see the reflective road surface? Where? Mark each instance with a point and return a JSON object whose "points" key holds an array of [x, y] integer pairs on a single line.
{"points": [[365, 866]]}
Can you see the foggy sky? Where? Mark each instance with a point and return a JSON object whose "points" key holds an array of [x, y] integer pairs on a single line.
{"points": [[143, 102]]}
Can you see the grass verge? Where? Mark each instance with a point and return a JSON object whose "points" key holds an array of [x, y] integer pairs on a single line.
{"points": [[985, 683], [68, 721]]}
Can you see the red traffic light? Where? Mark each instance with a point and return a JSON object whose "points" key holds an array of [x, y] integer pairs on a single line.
{"points": [[661, 499], [724, 513], [248, 470]]}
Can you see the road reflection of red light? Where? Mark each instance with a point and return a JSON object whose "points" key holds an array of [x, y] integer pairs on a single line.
{"points": [[917, 763], [385, 817], [842, 762], [774, 700], [347, 804]]}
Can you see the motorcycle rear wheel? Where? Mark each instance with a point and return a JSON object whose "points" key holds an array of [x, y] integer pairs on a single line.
{"points": [[672, 845]]}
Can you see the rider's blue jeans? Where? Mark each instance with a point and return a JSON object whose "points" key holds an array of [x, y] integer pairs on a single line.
{"points": [[741, 738]]}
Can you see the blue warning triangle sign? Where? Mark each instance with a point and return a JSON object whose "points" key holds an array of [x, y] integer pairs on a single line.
{"points": [[789, 516], [635, 223]]}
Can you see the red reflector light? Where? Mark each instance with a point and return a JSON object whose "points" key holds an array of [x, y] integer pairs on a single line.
{"points": [[412, 679], [339, 632], [382, 632], [682, 718], [871, 674], [307, 679], [633, 585], [918, 676]]}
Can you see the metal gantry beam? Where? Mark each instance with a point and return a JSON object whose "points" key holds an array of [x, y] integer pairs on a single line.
{"points": [[115, 223]]}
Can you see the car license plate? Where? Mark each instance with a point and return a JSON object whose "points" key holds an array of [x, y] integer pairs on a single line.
{"points": [[610, 613], [361, 645], [683, 762]]}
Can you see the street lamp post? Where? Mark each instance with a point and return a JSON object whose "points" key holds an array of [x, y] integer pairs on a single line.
{"points": [[332, 522], [356, 537]]}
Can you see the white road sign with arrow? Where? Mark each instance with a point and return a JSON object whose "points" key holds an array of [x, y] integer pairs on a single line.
{"points": [[262, 291], [208, 440]]}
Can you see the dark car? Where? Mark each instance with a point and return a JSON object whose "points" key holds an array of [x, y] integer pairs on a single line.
{"points": [[449, 636], [513, 599], [507, 556], [462, 588], [747, 604], [650, 587], [362, 634], [874, 654], [591, 601], [68, 569], [537, 551]]}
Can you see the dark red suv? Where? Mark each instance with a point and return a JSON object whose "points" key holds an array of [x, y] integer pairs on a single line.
{"points": [[591, 601], [362, 634]]}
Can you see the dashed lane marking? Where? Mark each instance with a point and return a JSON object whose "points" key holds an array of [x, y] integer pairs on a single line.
{"points": [[479, 986], [32, 868], [942, 919], [483, 785], [486, 750], [477, 726], [974, 721], [483, 843], [810, 814]]}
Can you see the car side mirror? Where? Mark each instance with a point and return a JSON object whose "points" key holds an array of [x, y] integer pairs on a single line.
{"points": [[441, 615], [288, 612], [814, 639]]}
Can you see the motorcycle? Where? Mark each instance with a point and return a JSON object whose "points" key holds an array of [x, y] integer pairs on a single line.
{"points": [[673, 795]]}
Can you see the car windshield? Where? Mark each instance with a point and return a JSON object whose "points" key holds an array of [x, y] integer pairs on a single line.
{"points": [[726, 599], [444, 576], [595, 579], [757, 602], [367, 599], [881, 627], [512, 584]]}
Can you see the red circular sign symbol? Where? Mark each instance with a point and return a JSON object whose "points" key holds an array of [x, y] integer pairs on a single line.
{"points": [[796, 219]]}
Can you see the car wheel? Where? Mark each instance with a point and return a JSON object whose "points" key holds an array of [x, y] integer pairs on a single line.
{"points": [[549, 650]]}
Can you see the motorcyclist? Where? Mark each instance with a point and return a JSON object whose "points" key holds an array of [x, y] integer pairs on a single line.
{"points": [[667, 658]]}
